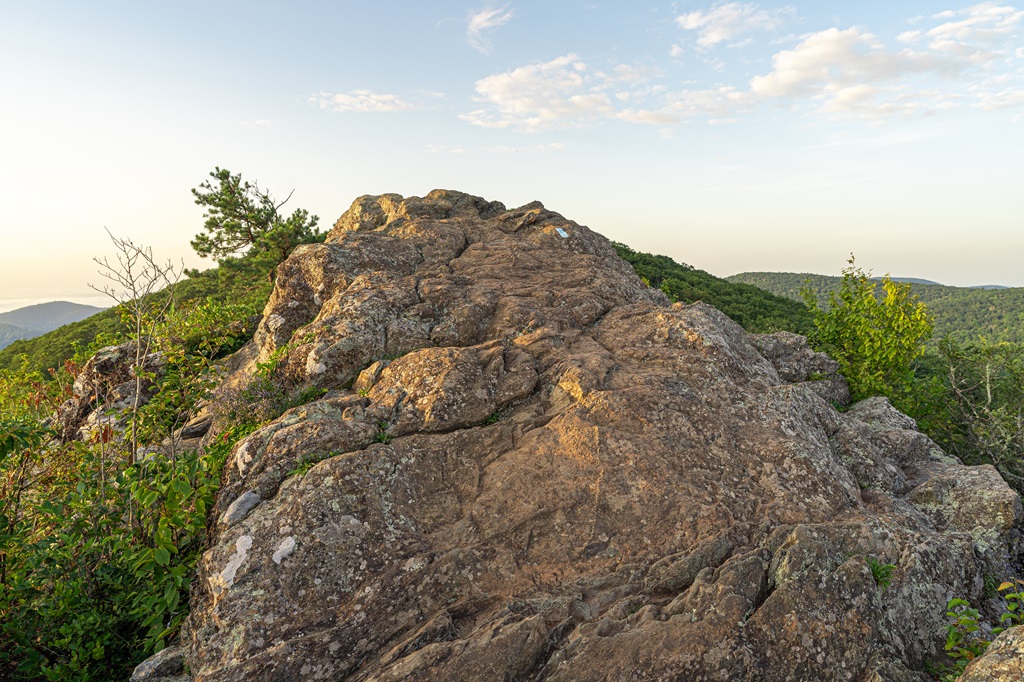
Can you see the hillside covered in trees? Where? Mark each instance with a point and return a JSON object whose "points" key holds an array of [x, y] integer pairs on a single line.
{"points": [[962, 314], [755, 309]]}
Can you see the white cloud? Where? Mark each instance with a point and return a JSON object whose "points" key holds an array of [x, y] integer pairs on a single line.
{"points": [[987, 23], [851, 72], [360, 101], [1003, 99], [486, 20], [963, 58], [564, 92], [725, 21], [833, 59], [630, 75], [976, 33], [557, 93], [872, 102]]}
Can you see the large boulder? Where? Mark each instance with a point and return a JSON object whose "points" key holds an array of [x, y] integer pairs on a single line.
{"points": [[529, 466]]}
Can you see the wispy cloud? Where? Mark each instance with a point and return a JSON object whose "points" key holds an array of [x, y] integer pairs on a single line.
{"points": [[557, 93], [484, 21], [959, 58], [565, 92], [834, 59], [726, 21], [974, 28], [853, 72], [360, 101]]}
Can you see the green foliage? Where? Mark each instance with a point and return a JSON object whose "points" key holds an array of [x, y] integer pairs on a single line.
{"points": [[382, 432], [990, 586], [970, 399], [96, 553], [965, 638], [754, 309], [96, 549], [303, 468], [101, 574], [961, 314], [963, 641], [49, 351], [882, 573], [19, 434], [308, 395], [190, 339], [308, 461], [493, 418], [874, 340], [241, 218], [243, 287], [1013, 593]]}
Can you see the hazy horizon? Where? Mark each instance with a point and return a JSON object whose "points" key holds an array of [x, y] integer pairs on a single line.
{"points": [[732, 136]]}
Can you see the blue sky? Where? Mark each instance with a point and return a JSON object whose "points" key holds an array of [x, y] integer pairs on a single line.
{"points": [[732, 136]]}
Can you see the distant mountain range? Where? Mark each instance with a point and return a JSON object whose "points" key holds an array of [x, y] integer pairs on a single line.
{"points": [[36, 320], [915, 280], [963, 313]]}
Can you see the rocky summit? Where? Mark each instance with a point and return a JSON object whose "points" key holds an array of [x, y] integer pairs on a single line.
{"points": [[529, 465]]}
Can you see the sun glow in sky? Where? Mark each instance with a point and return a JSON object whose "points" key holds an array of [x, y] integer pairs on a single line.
{"points": [[729, 135]]}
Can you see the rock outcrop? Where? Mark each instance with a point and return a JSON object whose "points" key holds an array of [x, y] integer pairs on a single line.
{"points": [[104, 392], [530, 466]]}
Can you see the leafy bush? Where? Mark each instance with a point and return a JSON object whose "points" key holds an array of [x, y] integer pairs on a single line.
{"points": [[965, 638], [963, 644], [873, 339], [100, 574], [1014, 596]]}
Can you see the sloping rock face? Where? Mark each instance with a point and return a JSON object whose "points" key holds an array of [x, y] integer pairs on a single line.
{"points": [[531, 467]]}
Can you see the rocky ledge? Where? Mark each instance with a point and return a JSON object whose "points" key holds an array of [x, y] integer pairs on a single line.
{"points": [[530, 466]]}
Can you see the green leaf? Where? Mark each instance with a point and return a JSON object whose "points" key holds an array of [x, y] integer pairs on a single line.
{"points": [[162, 556]]}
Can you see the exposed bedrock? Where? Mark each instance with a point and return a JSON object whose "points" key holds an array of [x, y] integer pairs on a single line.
{"points": [[531, 466]]}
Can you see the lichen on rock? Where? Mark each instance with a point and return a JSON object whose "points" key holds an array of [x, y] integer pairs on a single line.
{"points": [[530, 466]]}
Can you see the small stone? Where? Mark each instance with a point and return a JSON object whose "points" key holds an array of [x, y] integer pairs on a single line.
{"points": [[240, 508]]}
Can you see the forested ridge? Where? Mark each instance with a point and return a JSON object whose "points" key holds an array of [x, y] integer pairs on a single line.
{"points": [[962, 314]]}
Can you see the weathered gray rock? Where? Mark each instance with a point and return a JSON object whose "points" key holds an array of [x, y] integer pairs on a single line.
{"points": [[103, 391], [238, 509], [167, 665], [795, 362], [196, 428], [531, 467]]}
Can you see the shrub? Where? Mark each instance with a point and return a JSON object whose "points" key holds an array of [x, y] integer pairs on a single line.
{"points": [[874, 340]]}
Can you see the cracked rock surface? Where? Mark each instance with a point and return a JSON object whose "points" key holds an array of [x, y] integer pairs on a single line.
{"points": [[530, 466]]}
